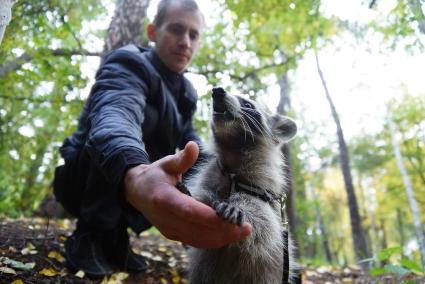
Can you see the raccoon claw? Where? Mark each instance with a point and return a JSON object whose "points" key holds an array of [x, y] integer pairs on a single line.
{"points": [[228, 212]]}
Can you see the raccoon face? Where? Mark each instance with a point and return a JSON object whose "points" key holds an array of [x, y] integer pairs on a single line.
{"points": [[239, 123]]}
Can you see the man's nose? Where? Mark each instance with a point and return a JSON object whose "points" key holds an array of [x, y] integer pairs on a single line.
{"points": [[185, 40]]}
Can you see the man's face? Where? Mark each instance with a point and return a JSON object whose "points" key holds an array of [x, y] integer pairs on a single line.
{"points": [[178, 38]]}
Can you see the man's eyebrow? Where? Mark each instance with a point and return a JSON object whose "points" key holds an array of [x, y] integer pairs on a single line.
{"points": [[181, 25]]}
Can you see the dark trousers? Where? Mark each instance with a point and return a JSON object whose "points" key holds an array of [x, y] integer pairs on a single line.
{"points": [[84, 192]]}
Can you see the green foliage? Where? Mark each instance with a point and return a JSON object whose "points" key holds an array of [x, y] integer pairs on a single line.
{"points": [[396, 263], [403, 25], [39, 94]]}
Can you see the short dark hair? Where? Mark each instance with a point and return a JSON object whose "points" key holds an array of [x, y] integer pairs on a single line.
{"points": [[189, 5]]}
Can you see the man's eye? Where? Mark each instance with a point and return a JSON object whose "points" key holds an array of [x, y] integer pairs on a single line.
{"points": [[193, 36], [177, 30]]}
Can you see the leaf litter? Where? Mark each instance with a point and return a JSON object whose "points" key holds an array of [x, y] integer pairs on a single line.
{"points": [[32, 251]]}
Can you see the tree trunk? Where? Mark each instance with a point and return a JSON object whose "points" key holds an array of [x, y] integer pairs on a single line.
{"points": [[400, 225], [5, 15], [360, 248], [409, 190], [384, 243], [31, 176], [324, 234], [127, 25], [282, 108]]}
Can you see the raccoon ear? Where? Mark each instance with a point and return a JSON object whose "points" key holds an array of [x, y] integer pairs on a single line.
{"points": [[283, 128]]}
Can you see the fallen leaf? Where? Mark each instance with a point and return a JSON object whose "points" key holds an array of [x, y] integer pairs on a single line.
{"points": [[56, 255], [80, 274], [12, 249], [157, 258], [176, 279], [116, 278], [29, 249], [146, 254], [17, 264], [7, 270], [50, 272]]}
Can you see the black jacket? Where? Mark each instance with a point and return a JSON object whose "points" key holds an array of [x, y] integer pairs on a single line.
{"points": [[134, 114]]}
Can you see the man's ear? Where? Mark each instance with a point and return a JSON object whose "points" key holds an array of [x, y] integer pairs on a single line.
{"points": [[151, 32], [283, 128]]}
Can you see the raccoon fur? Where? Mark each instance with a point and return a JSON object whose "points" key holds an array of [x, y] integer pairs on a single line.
{"points": [[243, 184]]}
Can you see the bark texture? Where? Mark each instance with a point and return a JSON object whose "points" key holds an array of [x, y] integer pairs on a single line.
{"points": [[127, 25]]}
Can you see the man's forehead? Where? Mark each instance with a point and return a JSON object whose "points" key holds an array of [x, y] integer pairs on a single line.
{"points": [[177, 15]]}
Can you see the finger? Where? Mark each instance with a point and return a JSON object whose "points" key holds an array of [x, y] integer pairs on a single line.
{"points": [[202, 237], [182, 161], [198, 213]]}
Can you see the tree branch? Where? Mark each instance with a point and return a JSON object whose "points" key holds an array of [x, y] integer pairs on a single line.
{"points": [[35, 99], [372, 4], [251, 73], [24, 58]]}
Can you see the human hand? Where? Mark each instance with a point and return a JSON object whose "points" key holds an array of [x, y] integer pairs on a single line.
{"points": [[151, 190]]}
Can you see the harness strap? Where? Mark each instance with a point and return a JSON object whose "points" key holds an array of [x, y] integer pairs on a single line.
{"points": [[237, 186]]}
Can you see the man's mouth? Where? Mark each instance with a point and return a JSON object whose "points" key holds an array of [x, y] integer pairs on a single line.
{"points": [[181, 55]]}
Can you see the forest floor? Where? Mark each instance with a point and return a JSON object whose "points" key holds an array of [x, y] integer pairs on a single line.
{"points": [[32, 251]]}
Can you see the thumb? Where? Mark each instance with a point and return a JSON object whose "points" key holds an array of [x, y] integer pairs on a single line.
{"points": [[182, 161]]}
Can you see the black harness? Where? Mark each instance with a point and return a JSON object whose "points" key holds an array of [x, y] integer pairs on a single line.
{"points": [[236, 185]]}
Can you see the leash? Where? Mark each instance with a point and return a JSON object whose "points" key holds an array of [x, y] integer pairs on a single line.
{"points": [[285, 236]]}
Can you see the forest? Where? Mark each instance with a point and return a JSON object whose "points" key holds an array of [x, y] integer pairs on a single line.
{"points": [[350, 74]]}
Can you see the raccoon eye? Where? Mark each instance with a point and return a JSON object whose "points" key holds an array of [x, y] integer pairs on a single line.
{"points": [[248, 105]]}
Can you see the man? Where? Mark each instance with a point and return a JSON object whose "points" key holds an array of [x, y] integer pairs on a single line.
{"points": [[120, 165]]}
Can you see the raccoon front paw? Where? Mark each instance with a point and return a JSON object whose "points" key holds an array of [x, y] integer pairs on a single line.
{"points": [[228, 212]]}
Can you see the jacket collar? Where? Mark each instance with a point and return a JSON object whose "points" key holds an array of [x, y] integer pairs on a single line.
{"points": [[172, 79]]}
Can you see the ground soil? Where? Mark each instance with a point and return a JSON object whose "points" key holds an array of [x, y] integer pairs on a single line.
{"points": [[37, 244]]}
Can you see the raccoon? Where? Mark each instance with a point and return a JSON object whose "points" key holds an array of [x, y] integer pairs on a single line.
{"points": [[243, 183]]}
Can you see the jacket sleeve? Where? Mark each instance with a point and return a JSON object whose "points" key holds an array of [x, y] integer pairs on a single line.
{"points": [[117, 102]]}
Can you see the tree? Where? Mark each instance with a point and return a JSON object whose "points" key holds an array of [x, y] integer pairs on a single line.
{"points": [[409, 190], [5, 16], [127, 25], [40, 82], [359, 241], [402, 25]]}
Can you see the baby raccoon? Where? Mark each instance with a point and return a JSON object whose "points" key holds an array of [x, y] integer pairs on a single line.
{"points": [[244, 183]]}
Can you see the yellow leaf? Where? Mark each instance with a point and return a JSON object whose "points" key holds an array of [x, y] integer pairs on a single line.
{"points": [[17, 281], [50, 272], [176, 279], [80, 274], [30, 246], [56, 255], [116, 278]]}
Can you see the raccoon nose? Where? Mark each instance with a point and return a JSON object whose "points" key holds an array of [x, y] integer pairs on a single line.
{"points": [[218, 93]]}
